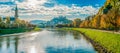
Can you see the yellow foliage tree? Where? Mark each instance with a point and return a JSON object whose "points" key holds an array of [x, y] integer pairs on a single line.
{"points": [[118, 21], [0, 19], [76, 22], [96, 21], [7, 20], [82, 24], [103, 23]]}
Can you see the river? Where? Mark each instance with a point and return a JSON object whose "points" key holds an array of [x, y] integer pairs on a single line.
{"points": [[46, 41]]}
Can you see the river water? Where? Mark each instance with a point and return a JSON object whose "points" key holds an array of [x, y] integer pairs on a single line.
{"points": [[46, 41]]}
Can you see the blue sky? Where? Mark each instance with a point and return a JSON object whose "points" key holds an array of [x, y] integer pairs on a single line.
{"points": [[47, 9]]}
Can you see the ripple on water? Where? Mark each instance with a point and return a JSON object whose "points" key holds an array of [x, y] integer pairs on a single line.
{"points": [[46, 41]]}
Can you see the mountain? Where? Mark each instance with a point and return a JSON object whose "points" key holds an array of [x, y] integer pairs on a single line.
{"points": [[37, 22], [53, 22], [58, 20]]}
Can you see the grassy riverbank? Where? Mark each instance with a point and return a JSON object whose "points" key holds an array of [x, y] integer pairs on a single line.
{"points": [[18, 30], [36, 29], [110, 41], [10, 31]]}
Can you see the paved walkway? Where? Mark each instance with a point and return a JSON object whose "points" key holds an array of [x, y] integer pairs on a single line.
{"points": [[109, 31]]}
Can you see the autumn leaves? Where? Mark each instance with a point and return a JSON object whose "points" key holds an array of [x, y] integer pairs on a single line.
{"points": [[107, 18]]}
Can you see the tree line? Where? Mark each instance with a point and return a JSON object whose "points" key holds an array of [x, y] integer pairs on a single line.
{"points": [[17, 23], [108, 18]]}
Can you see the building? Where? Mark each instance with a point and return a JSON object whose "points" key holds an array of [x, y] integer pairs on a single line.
{"points": [[13, 19], [16, 12]]}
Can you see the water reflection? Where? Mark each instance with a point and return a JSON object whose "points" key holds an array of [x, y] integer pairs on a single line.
{"points": [[46, 41], [16, 44], [76, 35], [33, 49], [67, 50], [8, 45]]}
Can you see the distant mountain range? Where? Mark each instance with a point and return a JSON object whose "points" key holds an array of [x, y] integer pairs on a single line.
{"points": [[53, 22], [37, 22], [59, 20]]}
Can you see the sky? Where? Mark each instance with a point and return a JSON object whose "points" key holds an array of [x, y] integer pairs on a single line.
{"points": [[48, 9]]}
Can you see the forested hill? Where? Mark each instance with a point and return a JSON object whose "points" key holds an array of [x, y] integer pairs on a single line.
{"points": [[107, 18]]}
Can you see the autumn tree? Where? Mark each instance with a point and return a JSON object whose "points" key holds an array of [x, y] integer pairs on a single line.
{"points": [[76, 22], [114, 14], [118, 21], [23, 23], [8, 20], [96, 21], [82, 24], [0, 22], [7, 23], [86, 23], [0, 19], [104, 24], [108, 17]]}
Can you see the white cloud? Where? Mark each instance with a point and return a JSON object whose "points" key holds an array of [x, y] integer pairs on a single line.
{"points": [[6, 10], [33, 9], [4, 0]]}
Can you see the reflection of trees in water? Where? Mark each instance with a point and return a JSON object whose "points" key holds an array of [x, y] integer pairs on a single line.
{"points": [[1, 40], [60, 33], [76, 35], [7, 41], [67, 50], [63, 33], [16, 44]]}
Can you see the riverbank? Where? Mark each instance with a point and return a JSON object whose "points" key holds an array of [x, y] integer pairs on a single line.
{"points": [[18, 30], [17, 34], [11, 31], [106, 40]]}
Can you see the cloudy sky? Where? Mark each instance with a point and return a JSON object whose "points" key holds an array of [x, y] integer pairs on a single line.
{"points": [[47, 9]]}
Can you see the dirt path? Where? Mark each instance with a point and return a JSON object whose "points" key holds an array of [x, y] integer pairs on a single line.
{"points": [[108, 31]]}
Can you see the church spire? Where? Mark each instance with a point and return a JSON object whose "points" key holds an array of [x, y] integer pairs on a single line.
{"points": [[16, 12]]}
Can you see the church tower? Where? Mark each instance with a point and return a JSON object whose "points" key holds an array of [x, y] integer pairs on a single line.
{"points": [[16, 12]]}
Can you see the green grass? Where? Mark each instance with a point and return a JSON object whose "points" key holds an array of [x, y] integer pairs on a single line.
{"points": [[108, 40], [18, 30], [10, 31], [37, 29]]}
